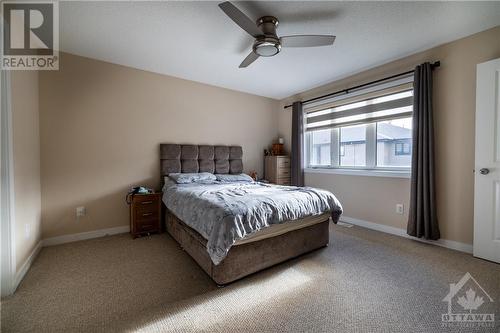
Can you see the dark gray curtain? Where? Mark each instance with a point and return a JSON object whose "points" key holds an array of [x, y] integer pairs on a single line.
{"points": [[422, 220], [297, 144]]}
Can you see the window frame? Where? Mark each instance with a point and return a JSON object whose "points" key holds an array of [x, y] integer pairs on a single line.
{"points": [[371, 168], [371, 152], [342, 150]]}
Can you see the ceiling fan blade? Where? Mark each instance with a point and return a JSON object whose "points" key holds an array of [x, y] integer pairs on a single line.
{"points": [[249, 59], [240, 19], [306, 40]]}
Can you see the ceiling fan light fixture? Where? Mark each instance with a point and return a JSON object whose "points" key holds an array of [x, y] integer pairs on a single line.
{"points": [[267, 47]]}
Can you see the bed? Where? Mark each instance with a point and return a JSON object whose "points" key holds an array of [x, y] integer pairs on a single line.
{"points": [[233, 229]]}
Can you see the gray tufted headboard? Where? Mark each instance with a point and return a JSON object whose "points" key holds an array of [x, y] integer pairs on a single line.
{"points": [[194, 158]]}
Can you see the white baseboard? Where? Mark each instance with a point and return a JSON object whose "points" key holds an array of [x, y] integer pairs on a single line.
{"points": [[85, 235], [26, 265], [463, 247]]}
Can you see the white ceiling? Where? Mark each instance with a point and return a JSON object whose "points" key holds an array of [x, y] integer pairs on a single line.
{"points": [[196, 41]]}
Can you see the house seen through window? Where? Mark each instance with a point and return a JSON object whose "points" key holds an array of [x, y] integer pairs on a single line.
{"points": [[394, 142]]}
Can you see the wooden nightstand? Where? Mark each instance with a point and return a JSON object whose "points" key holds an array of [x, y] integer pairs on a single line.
{"points": [[277, 169], [145, 214]]}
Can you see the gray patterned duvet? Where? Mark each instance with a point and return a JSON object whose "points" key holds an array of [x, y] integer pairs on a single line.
{"points": [[226, 212]]}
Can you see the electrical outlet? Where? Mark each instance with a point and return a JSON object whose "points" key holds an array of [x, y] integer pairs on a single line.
{"points": [[81, 211], [400, 209]]}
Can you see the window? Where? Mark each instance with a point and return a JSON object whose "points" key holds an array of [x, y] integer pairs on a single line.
{"points": [[372, 130], [402, 148], [353, 140], [394, 143], [321, 147]]}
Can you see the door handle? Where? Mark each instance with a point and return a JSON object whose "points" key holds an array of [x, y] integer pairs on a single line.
{"points": [[484, 171]]}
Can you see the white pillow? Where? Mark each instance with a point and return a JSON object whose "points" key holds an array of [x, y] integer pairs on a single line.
{"points": [[234, 178], [186, 178]]}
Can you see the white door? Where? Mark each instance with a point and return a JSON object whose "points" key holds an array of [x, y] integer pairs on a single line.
{"points": [[487, 165]]}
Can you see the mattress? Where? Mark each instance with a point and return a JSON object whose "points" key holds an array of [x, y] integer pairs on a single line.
{"points": [[280, 229], [226, 214]]}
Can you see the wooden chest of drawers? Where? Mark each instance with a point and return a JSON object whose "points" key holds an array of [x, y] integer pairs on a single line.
{"points": [[145, 214], [277, 169]]}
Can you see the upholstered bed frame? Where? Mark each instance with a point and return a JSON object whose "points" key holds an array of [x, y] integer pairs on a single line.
{"points": [[192, 158], [243, 259]]}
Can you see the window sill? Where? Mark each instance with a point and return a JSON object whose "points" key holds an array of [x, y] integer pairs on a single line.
{"points": [[361, 172]]}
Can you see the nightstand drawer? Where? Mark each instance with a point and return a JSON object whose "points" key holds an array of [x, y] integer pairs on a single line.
{"points": [[146, 208], [283, 181], [283, 173], [146, 200], [146, 214], [147, 225], [283, 162]]}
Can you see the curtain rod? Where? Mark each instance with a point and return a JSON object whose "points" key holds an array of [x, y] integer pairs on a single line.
{"points": [[434, 65]]}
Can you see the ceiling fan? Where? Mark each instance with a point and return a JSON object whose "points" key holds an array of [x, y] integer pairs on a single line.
{"points": [[267, 43]]}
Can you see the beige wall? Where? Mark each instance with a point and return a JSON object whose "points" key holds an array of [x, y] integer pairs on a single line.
{"points": [[360, 200], [26, 155], [101, 126], [454, 110]]}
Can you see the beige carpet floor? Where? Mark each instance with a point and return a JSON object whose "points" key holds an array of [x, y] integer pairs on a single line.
{"points": [[365, 281]]}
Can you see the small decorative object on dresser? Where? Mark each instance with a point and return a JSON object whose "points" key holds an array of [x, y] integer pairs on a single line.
{"points": [[278, 169], [278, 149], [145, 214]]}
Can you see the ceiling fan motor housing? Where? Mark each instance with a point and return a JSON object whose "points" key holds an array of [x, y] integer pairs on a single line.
{"points": [[268, 44]]}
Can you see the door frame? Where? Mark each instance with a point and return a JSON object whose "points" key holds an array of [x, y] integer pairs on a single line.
{"points": [[7, 216]]}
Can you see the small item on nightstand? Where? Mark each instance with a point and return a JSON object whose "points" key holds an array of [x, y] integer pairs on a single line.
{"points": [[277, 149], [145, 213], [137, 190]]}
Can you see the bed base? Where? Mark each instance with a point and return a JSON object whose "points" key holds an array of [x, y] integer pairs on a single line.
{"points": [[245, 259]]}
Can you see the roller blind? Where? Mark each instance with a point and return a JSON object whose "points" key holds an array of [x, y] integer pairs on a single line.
{"points": [[389, 103]]}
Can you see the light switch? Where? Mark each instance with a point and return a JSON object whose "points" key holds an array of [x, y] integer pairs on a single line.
{"points": [[81, 211], [27, 231]]}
